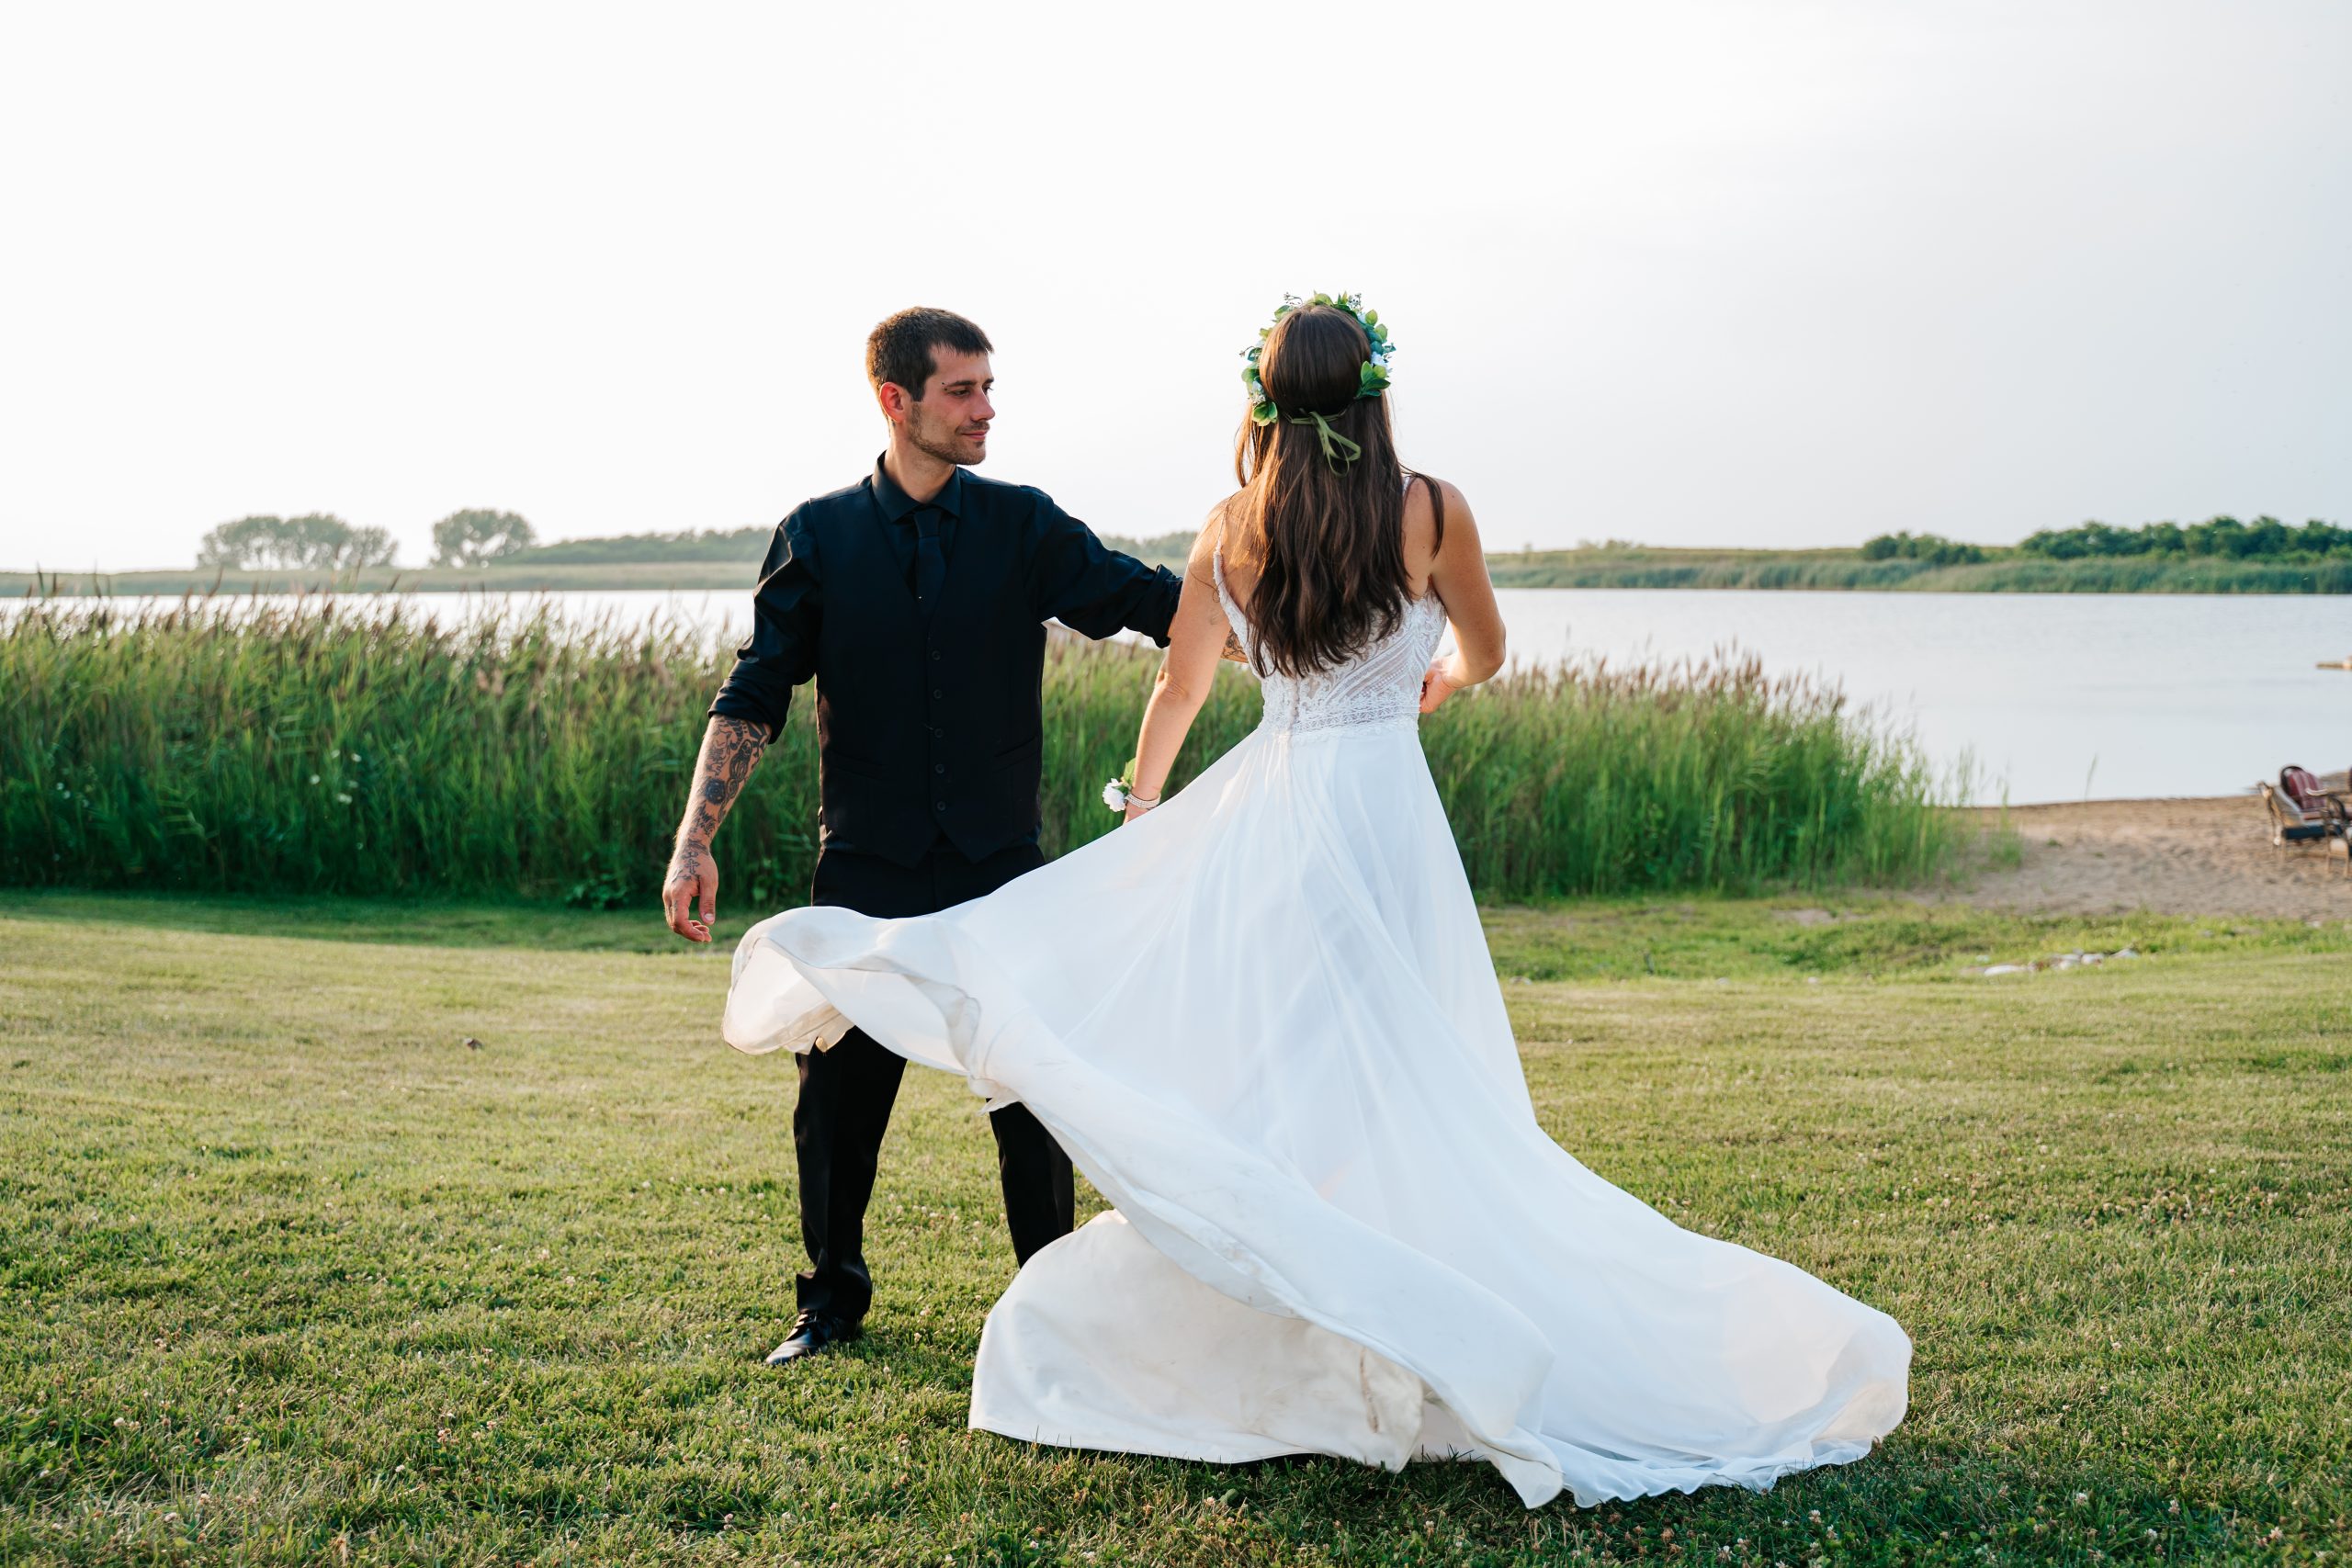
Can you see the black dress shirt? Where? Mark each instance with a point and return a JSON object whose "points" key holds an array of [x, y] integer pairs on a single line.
{"points": [[928, 716]]}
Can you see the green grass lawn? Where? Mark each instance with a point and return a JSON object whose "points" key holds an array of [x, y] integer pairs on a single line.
{"points": [[288, 1273]]}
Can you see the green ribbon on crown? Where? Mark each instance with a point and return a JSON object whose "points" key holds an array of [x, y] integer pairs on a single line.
{"points": [[1333, 442]]}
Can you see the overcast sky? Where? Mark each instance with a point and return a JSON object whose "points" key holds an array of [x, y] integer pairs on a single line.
{"points": [[1764, 274]]}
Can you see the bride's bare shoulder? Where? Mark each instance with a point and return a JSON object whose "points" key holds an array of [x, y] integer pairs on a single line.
{"points": [[1216, 530], [1224, 515], [1424, 496]]}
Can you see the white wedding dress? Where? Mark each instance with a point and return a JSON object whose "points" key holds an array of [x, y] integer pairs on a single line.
{"points": [[1263, 1020]]}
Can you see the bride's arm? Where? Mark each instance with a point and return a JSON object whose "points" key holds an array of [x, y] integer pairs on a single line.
{"points": [[1458, 575], [1195, 642]]}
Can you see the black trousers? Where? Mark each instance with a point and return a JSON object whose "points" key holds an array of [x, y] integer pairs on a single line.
{"points": [[846, 1094]]}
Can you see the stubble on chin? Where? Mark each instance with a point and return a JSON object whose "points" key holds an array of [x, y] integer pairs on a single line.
{"points": [[950, 449]]}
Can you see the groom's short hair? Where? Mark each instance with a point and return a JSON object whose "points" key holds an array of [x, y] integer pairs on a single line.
{"points": [[900, 349]]}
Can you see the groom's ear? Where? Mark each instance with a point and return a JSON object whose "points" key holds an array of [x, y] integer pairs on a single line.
{"points": [[894, 399]]}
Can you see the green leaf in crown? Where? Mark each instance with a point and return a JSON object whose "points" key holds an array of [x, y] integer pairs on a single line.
{"points": [[1372, 377]]}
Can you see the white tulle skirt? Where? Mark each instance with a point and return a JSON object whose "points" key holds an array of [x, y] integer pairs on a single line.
{"points": [[1264, 1022]]}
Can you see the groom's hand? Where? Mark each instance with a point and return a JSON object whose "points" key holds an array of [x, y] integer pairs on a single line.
{"points": [[691, 875]]}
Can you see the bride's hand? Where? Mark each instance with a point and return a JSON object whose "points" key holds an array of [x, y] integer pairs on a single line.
{"points": [[1132, 812], [1436, 686]]}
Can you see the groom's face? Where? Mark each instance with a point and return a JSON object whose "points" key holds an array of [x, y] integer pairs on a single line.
{"points": [[951, 420]]}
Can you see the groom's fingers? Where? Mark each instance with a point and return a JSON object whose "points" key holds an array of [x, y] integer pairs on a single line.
{"points": [[677, 907]]}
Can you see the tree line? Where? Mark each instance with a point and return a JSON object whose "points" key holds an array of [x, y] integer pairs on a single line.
{"points": [[476, 538], [2264, 538], [2219, 538], [320, 541]]}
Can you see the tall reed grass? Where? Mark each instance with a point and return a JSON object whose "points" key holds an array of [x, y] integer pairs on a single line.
{"points": [[328, 747]]}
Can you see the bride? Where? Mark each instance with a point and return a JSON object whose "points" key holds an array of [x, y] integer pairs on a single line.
{"points": [[1263, 1020]]}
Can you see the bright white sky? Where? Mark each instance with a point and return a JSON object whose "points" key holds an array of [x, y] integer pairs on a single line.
{"points": [[1685, 273]]}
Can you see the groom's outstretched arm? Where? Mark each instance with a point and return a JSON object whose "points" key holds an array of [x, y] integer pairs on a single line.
{"points": [[1077, 579], [780, 653]]}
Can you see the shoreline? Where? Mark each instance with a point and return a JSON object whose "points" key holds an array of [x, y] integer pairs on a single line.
{"points": [[2171, 854]]}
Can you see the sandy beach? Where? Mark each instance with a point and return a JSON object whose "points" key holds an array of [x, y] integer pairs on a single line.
{"points": [[2200, 856]]}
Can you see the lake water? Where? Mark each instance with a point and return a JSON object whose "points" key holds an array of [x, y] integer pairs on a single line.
{"points": [[2047, 697]]}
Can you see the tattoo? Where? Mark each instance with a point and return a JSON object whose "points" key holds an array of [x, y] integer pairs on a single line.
{"points": [[731, 749]]}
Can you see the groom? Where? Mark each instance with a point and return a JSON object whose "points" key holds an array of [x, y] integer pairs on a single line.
{"points": [[917, 599]]}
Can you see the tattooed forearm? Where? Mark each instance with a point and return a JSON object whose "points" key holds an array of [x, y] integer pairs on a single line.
{"points": [[731, 749]]}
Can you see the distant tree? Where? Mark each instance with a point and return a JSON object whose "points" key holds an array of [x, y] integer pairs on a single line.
{"points": [[2058, 544], [1933, 549], [316, 540], [242, 543], [2106, 539], [370, 547], [2320, 539], [475, 537], [2217, 537], [2267, 537]]}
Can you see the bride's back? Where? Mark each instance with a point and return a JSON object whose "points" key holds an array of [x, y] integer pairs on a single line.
{"points": [[1423, 510], [1376, 686], [1315, 543]]}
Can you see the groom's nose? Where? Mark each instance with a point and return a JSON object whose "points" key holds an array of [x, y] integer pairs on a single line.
{"points": [[983, 411]]}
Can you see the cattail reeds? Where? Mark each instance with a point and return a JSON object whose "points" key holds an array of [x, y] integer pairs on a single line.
{"points": [[345, 746]]}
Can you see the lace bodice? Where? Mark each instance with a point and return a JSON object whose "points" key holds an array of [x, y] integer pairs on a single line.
{"points": [[1380, 688]]}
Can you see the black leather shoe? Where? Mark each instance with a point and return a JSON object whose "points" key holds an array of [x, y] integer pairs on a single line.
{"points": [[811, 1333]]}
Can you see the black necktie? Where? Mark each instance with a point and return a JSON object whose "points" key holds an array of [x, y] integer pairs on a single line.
{"points": [[930, 561]]}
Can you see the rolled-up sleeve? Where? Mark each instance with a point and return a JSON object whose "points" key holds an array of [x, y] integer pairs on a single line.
{"points": [[781, 652], [1076, 579]]}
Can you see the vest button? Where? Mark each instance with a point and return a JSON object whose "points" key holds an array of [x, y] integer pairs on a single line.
{"points": [[937, 695], [939, 806], [934, 656], [939, 767]]}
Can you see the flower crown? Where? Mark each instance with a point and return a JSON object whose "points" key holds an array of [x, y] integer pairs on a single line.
{"points": [[1372, 377]]}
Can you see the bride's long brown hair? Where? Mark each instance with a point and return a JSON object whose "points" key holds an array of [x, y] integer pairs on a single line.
{"points": [[1327, 545]]}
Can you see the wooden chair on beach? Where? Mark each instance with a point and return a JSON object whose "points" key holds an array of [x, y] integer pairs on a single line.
{"points": [[2291, 823]]}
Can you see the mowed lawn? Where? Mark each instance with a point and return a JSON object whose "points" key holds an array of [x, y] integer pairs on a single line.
{"points": [[290, 1273]]}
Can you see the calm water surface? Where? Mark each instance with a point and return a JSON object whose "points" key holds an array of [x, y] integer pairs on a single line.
{"points": [[2044, 696]]}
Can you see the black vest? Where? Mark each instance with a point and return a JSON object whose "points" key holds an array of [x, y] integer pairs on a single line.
{"points": [[926, 727]]}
